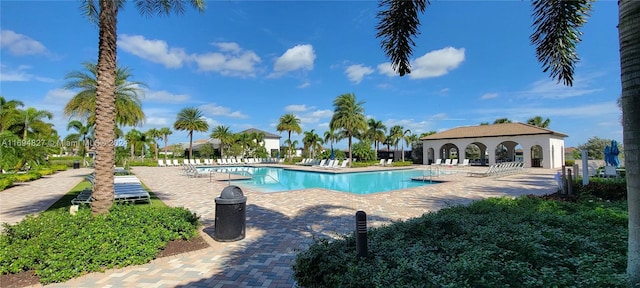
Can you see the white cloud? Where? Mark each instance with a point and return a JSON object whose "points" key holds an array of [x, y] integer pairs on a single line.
{"points": [[574, 111], [156, 51], [304, 85], [164, 97], [8, 74], [57, 96], [19, 44], [444, 90], [386, 69], [432, 64], [486, 96], [215, 110], [550, 89], [296, 108], [300, 57], [356, 73], [232, 60], [315, 116], [157, 121], [436, 63]]}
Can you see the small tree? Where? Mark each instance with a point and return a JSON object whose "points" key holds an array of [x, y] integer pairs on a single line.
{"points": [[206, 150]]}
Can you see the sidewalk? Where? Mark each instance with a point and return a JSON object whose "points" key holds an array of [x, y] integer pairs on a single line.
{"points": [[36, 196]]}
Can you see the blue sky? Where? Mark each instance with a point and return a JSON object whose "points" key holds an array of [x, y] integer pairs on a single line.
{"points": [[247, 63]]}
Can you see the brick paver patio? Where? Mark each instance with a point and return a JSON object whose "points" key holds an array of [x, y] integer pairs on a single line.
{"points": [[279, 224]]}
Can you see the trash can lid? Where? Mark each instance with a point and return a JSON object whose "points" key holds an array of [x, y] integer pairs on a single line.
{"points": [[232, 192]]}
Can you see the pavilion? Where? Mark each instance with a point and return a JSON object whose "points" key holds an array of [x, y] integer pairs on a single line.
{"points": [[490, 144]]}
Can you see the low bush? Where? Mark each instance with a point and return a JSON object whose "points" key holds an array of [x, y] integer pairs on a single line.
{"points": [[6, 182], [26, 177], [45, 171], [401, 164], [499, 242], [602, 188], [60, 246], [59, 167], [569, 162], [146, 162]]}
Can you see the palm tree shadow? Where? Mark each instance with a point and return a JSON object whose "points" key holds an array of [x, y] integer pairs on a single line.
{"points": [[266, 260]]}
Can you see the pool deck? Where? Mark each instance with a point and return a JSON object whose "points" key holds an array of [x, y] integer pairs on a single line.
{"points": [[281, 223]]}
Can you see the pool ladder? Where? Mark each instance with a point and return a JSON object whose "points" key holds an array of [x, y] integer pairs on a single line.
{"points": [[424, 178]]}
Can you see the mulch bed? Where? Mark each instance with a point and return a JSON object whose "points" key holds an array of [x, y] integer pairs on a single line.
{"points": [[28, 278]]}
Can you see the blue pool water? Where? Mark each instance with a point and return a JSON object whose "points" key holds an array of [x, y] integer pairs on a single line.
{"points": [[270, 179]]}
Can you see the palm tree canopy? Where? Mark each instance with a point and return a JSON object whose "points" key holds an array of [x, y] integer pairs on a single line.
{"points": [[537, 121], [348, 114], [191, 119], [9, 113], [290, 123], [83, 105]]}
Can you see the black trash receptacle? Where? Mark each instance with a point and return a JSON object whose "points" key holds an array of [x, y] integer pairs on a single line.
{"points": [[231, 215], [76, 164]]}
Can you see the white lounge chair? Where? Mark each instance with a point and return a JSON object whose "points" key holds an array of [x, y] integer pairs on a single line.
{"points": [[465, 162], [185, 161], [389, 162], [437, 162], [454, 162], [198, 161], [175, 162], [381, 163], [447, 162]]}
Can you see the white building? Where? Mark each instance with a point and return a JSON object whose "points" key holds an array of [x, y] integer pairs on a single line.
{"points": [[498, 143]]}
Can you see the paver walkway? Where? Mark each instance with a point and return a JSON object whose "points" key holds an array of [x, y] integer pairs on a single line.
{"points": [[279, 224], [36, 196]]}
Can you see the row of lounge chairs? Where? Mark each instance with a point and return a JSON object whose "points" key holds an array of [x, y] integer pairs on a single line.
{"points": [[193, 171], [126, 189], [224, 161], [501, 169], [388, 162], [451, 162]]}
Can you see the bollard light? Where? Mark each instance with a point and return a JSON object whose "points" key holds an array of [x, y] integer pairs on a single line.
{"points": [[361, 234]]}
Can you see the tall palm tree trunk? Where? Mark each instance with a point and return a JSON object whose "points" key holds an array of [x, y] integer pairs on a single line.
{"points": [[289, 145], [350, 154], [190, 145], [629, 34], [105, 110], [165, 148]]}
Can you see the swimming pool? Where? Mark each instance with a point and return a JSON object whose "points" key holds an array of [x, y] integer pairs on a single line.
{"points": [[271, 179]]}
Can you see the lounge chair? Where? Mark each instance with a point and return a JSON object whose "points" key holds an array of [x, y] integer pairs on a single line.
{"points": [[389, 162], [161, 163], [321, 164], [381, 163], [185, 161], [438, 162], [175, 162], [447, 162], [454, 162], [198, 162], [465, 162], [344, 164]]}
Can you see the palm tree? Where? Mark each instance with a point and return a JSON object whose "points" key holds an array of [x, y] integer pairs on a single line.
{"points": [[83, 133], [331, 136], [376, 132], [154, 135], [133, 138], [191, 119], [313, 141], [537, 121], [348, 115], [395, 134], [290, 123], [556, 34], [83, 105], [502, 121], [31, 118], [105, 14], [224, 134], [164, 133], [9, 113]]}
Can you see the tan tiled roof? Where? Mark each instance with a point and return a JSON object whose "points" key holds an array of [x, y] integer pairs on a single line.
{"points": [[495, 130]]}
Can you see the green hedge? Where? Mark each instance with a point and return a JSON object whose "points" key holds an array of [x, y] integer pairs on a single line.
{"points": [[500, 242], [60, 246], [146, 162], [6, 182]]}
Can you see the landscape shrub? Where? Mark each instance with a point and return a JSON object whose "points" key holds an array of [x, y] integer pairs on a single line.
{"points": [[602, 188], [499, 242], [6, 182], [60, 246], [59, 167], [26, 177], [146, 162], [45, 171]]}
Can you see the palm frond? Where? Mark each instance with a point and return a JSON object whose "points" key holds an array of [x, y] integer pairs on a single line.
{"points": [[556, 34], [398, 25]]}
